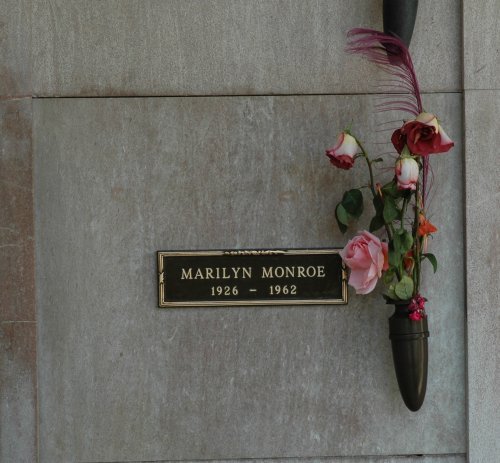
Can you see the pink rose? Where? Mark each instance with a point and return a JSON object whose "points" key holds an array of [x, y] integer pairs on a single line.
{"points": [[423, 136], [367, 257], [407, 173], [342, 154]]}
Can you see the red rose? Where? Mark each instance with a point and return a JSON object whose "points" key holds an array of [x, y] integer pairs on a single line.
{"points": [[398, 140], [423, 136]]}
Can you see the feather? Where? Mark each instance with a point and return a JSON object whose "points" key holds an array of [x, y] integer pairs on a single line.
{"points": [[391, 55]]}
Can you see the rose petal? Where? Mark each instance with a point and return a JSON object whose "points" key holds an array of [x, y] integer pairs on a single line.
{"points": [[428, 119], [368, 288], [366, 256]]}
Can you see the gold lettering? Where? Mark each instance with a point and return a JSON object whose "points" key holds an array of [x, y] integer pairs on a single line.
{"points": [[299, 271], [209, 273], [267, 272], [187, 275], [247, 272], [218, 273], [279, 272], [290, 272], [198, 275]]}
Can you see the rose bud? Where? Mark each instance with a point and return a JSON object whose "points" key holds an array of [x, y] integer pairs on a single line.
{"points": [[423, 136], [407, 173], [367, 257], [342, 154]]}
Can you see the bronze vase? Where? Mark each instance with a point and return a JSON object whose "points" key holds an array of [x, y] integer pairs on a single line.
{"points": [[399, 18], [410, 354]]}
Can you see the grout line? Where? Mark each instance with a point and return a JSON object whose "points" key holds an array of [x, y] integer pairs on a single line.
{"points": [[346, 458], [16, 321], [75, 97], [465, 262], [15, 97], [224, 95]]}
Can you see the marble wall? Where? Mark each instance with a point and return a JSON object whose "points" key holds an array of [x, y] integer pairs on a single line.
{"points": [[202, 124], [482, 170]]}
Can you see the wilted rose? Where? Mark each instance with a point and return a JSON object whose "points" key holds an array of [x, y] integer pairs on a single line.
{"points": [[416, 315], [407, 173], [342, 154], [367, 258], [409, 261], [423, 136], [425, 229], [417, 308]]}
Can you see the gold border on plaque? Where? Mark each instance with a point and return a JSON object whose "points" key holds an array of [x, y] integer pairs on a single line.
{"points": [[247, 252]]}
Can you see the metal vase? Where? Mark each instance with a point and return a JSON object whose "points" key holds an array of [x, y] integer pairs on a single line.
{"points": [[399, 18], [410, 355]]}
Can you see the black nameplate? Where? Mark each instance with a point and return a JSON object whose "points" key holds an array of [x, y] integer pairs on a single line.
{"points": [[245, 277]]}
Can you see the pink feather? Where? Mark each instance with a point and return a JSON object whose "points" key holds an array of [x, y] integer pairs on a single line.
{"points": [[391, 55]]}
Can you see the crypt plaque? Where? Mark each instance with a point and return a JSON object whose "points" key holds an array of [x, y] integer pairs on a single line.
{"points": [[251, 277]]}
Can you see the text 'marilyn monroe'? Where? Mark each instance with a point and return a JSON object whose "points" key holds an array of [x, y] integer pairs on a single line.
{"points": [[227, 273]]}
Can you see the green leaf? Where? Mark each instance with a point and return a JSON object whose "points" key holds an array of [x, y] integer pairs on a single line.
{"points": [[403, 241], [432, 260], [406, 152], [378, 160], [391, 189], [404, 288], [379, 205], [341, 214], [342, 217], [391, 294], [406, 242], [353, 202], [391, 211], [394, 258], [396, 244], [388, 276], [376, 223]]}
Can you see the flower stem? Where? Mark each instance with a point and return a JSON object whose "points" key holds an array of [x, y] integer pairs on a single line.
{"points": [[416, 244], [372, 183], [403, 212]]}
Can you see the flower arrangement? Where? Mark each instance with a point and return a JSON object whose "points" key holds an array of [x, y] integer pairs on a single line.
{"points": [[399, 206]]}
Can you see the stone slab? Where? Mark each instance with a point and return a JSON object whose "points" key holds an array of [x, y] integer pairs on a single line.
{"points": [[119, 179], [18, 431], [482, 109], [15, 48], [218, 47], [481, 40], [17, 294]]}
